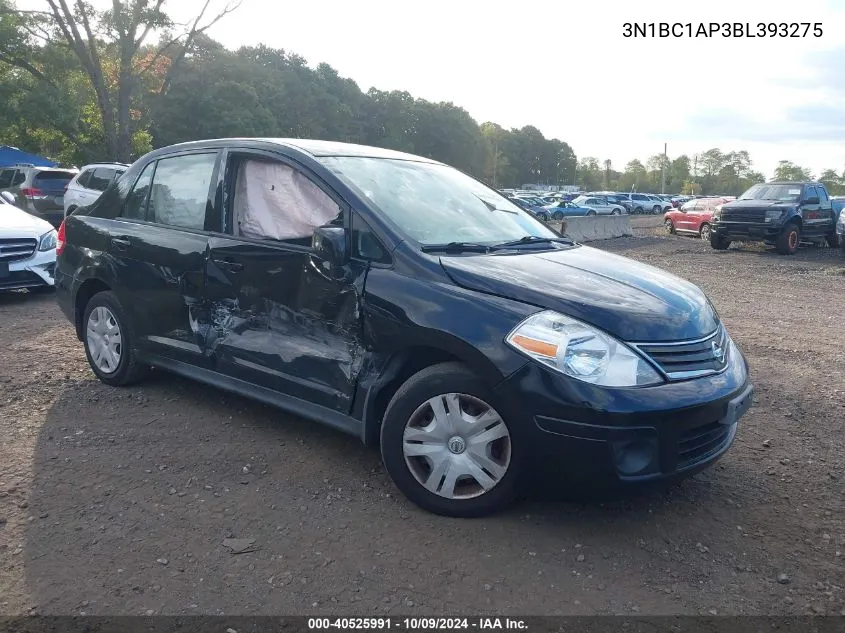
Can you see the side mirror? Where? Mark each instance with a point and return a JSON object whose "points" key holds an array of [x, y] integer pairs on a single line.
{"points": [[8, 197], [329, 246], [813, 200]]}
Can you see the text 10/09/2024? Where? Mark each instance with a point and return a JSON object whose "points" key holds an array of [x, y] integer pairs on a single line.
{"points": [[722, 29]]}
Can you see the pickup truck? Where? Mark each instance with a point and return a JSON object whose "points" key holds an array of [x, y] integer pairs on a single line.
{"points": [[781, 214]]}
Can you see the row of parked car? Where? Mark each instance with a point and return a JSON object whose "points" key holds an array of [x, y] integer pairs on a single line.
{"points": [[51, 192], [557, 205], [781, 214]]}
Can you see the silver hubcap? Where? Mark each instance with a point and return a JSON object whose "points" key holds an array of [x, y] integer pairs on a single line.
{"points": [[457, 446], [103, 339]]}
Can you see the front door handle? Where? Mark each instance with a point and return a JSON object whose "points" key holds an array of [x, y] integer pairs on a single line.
{"points": [[120, 243], [229, 265]]}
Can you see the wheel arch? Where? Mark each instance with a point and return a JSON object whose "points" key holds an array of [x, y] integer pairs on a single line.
{"points": [[86, 290], [401, 365]]}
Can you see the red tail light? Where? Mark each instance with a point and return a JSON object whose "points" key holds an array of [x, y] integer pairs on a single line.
{"points": [[32, 193], [60, 239]]}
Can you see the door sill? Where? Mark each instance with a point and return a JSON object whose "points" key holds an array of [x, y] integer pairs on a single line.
{"points": [[309, 410]]}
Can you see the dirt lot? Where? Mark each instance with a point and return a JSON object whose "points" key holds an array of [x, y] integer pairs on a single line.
{"points": [[117, 501]]}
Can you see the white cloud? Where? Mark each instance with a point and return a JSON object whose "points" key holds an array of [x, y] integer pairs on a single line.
{"points": [[566, 68]]}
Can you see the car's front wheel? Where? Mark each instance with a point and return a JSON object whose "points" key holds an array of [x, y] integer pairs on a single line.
{"points": [[107, 337], [719, 242], [788, 240], [557, 215], [447, 445], [670, 226]]}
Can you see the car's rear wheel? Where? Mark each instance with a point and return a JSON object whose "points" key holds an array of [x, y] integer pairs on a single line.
{"points": [[670, 226], [788, 240], [447, 446], [833, 240], [704, 232], [638, 210], [108, 341], [656, 210]]}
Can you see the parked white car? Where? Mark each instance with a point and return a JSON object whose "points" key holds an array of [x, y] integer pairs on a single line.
{"points": [[600, 205], [90, 184], [27, 249]]}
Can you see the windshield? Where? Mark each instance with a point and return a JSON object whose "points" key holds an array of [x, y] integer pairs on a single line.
{"points": [[436, 204], [781, 193]]}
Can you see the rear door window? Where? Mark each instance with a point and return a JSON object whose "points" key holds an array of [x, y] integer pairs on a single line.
{"points": [[135, 207], [6, 176], [101, 179], [180, 190], [82, 181]]}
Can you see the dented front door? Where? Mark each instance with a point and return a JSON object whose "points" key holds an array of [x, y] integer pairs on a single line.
{"points": [[276, 319]]}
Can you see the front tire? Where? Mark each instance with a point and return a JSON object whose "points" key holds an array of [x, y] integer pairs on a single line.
{"points": [[833, 240], [670, 227], [447, 445], [788, 240], [718, 242], [557, 215], [108, 340]]}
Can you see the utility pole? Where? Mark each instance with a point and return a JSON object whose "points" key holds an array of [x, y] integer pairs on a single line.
{"points": [[663, 171], [495, 163]]}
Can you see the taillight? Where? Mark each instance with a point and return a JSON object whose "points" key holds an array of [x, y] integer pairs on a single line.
{"points": [[60, 239], [32, 193]]}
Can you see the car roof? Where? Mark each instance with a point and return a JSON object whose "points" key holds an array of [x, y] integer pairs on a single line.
{"points": [[95, 165], [316, 148]]}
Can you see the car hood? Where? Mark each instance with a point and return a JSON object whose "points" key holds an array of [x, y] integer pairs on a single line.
{"points": [[15, 222], [632, 301]]}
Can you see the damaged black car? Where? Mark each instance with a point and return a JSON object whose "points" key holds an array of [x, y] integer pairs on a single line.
{"points": [[397, 299]]}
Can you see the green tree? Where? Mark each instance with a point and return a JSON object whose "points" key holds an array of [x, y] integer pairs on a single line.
{"points": [[110, 48], [832, 181], [787, 170]]}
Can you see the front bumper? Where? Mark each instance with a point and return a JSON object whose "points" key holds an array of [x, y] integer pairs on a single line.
{"points": [[746, 231], [598, 437], [38, 270]]}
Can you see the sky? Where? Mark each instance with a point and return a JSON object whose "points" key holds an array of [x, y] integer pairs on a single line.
{"points": [[566, 68]]}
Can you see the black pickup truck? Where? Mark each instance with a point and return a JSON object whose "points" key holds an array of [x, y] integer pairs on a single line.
{"points": [[782, 214]]}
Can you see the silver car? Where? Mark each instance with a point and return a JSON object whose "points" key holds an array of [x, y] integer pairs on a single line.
{"points": [[601, 206]]}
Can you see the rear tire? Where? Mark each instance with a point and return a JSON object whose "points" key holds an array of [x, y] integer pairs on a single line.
{"points": [[557, 215], [638, 210], [718, 242], [109, 341], [833, 240], [788, 240], [616, 212], [656, 210], [412, 421], [704, 232]]}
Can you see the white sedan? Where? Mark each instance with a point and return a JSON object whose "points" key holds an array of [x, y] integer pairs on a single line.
{"points": [[601, 206], [27, 249]]}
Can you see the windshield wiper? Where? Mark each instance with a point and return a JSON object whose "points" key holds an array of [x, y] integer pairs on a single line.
{"points": [[457, 247], [534, 239]]}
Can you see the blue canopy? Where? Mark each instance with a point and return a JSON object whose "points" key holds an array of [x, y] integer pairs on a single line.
{"points": [[14, 156]]}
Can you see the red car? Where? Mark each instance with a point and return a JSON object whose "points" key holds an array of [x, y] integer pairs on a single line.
{"points": [[693, 218]]}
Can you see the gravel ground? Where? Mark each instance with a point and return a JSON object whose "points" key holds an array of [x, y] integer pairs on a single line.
{"points": [[118, 501]]}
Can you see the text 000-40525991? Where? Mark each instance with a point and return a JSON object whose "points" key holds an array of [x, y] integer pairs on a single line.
{"points": [[722, 29]]}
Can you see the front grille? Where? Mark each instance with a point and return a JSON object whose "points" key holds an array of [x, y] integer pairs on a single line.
{"points": [[20, 279], [743, 215], [16, 249], [696, 445], [690, 359]]}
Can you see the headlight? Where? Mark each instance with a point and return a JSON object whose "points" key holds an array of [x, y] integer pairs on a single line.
{"points": [[774, 214], [581, 351], [47, 242]]}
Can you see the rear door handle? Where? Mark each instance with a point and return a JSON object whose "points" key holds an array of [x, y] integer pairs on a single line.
{"points": [[120, 243], [229, 265]]}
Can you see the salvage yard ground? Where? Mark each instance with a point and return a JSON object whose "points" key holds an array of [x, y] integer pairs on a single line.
{"points": [[118, 501]]}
